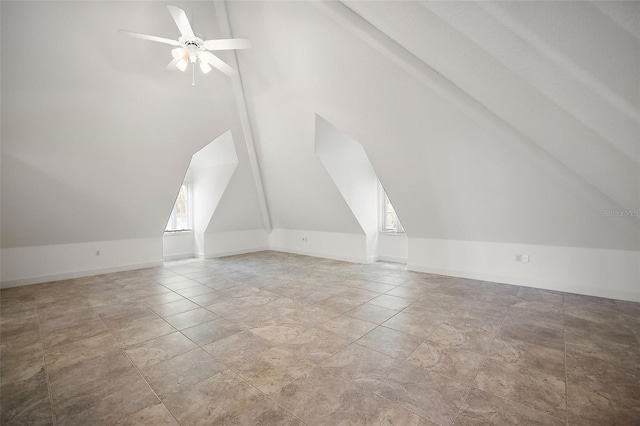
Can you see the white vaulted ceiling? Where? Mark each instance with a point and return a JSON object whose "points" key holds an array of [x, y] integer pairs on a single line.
{"points": [[488, 121], [483, 122], [96, 135]]}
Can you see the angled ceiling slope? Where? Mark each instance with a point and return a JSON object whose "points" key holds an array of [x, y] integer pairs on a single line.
{"points": [[95, 144], [456, 165]]}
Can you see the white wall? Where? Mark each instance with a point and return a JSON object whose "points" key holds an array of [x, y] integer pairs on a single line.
{"points": [[219, 244], [352, 173], [458, 152], [211, 169], [177, 245], [393, 247], [330, 245], [30, 265], [96, 148], [598, 272]]}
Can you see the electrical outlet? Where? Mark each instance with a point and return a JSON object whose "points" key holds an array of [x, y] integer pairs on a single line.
{"points": [[304, 239], [518, 258], [525, 258]]}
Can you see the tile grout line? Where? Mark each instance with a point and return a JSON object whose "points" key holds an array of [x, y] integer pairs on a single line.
{"points": [[396, 369], [487, 357], [566, 370], [46, 369], [134, 364]]}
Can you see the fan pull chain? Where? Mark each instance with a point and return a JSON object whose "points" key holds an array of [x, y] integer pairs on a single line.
{"points": [[193, 74]]}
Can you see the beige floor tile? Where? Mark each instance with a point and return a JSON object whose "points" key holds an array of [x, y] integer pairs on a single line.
{"points": [[265, 413], [447, 360], [523, 354], [413, 325], [347, 327], [213, 401], [320, 398], [390, 342], [105, 400], [363, 366], [190, 318], [161, 299], [237, 348], [211, 298], [315, 344], [52, 319], [390, 302], [371, 313], [173, 308], [181, 372], [589, 408], [484, 353], [67, 382], [481, 408], [64, 355], [359, 295], [273, 369], [312, 315], [430, 395], [194, 291], [159, 349], [86, 329], [142, 330], [376, 286], [26, 402], [154, 415], [211, 331], [339, 304], [470, 335], [531, 388], [279, 330]]}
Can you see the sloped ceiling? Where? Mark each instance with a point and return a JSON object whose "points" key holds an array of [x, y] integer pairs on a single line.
{"points": [[505, 121], [96, 135], [508, 122]]}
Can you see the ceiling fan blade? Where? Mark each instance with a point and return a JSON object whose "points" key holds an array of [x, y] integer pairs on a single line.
{"points": [[181, 21], [152, 38], [227, 44], [213, 60]]}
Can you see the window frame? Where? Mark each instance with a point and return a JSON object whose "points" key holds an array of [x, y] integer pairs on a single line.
{"points": [[384, 211], [171, 227]]}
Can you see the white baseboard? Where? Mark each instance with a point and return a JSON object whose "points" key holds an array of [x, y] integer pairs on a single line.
{"points": [[323, 255], [218, 244], [179, 256], [39, 264], [78, 274], [392, 259], [327, 245], [232, 252], [596, 272]]}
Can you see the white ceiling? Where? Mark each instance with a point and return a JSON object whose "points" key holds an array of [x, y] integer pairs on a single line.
{"points": [[505, 121]]}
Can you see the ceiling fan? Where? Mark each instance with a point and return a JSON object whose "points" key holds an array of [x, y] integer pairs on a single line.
{"points": [[192, 49]]}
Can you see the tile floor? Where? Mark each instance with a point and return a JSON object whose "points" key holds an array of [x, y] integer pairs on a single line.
{"points": [[280, 339]]}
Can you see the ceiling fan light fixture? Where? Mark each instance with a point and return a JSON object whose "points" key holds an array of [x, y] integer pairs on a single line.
{"points": [[178, 53], [182, 64], [204, 67], [191, 49]]}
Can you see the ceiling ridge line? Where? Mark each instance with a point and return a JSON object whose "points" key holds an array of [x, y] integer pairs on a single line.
{"points": [[243, 111], [565, 66], [570, 67], [423, 72]]}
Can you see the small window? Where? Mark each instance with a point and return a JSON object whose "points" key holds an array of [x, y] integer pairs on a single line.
{"points": [[180, 219], [390, 221]]}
